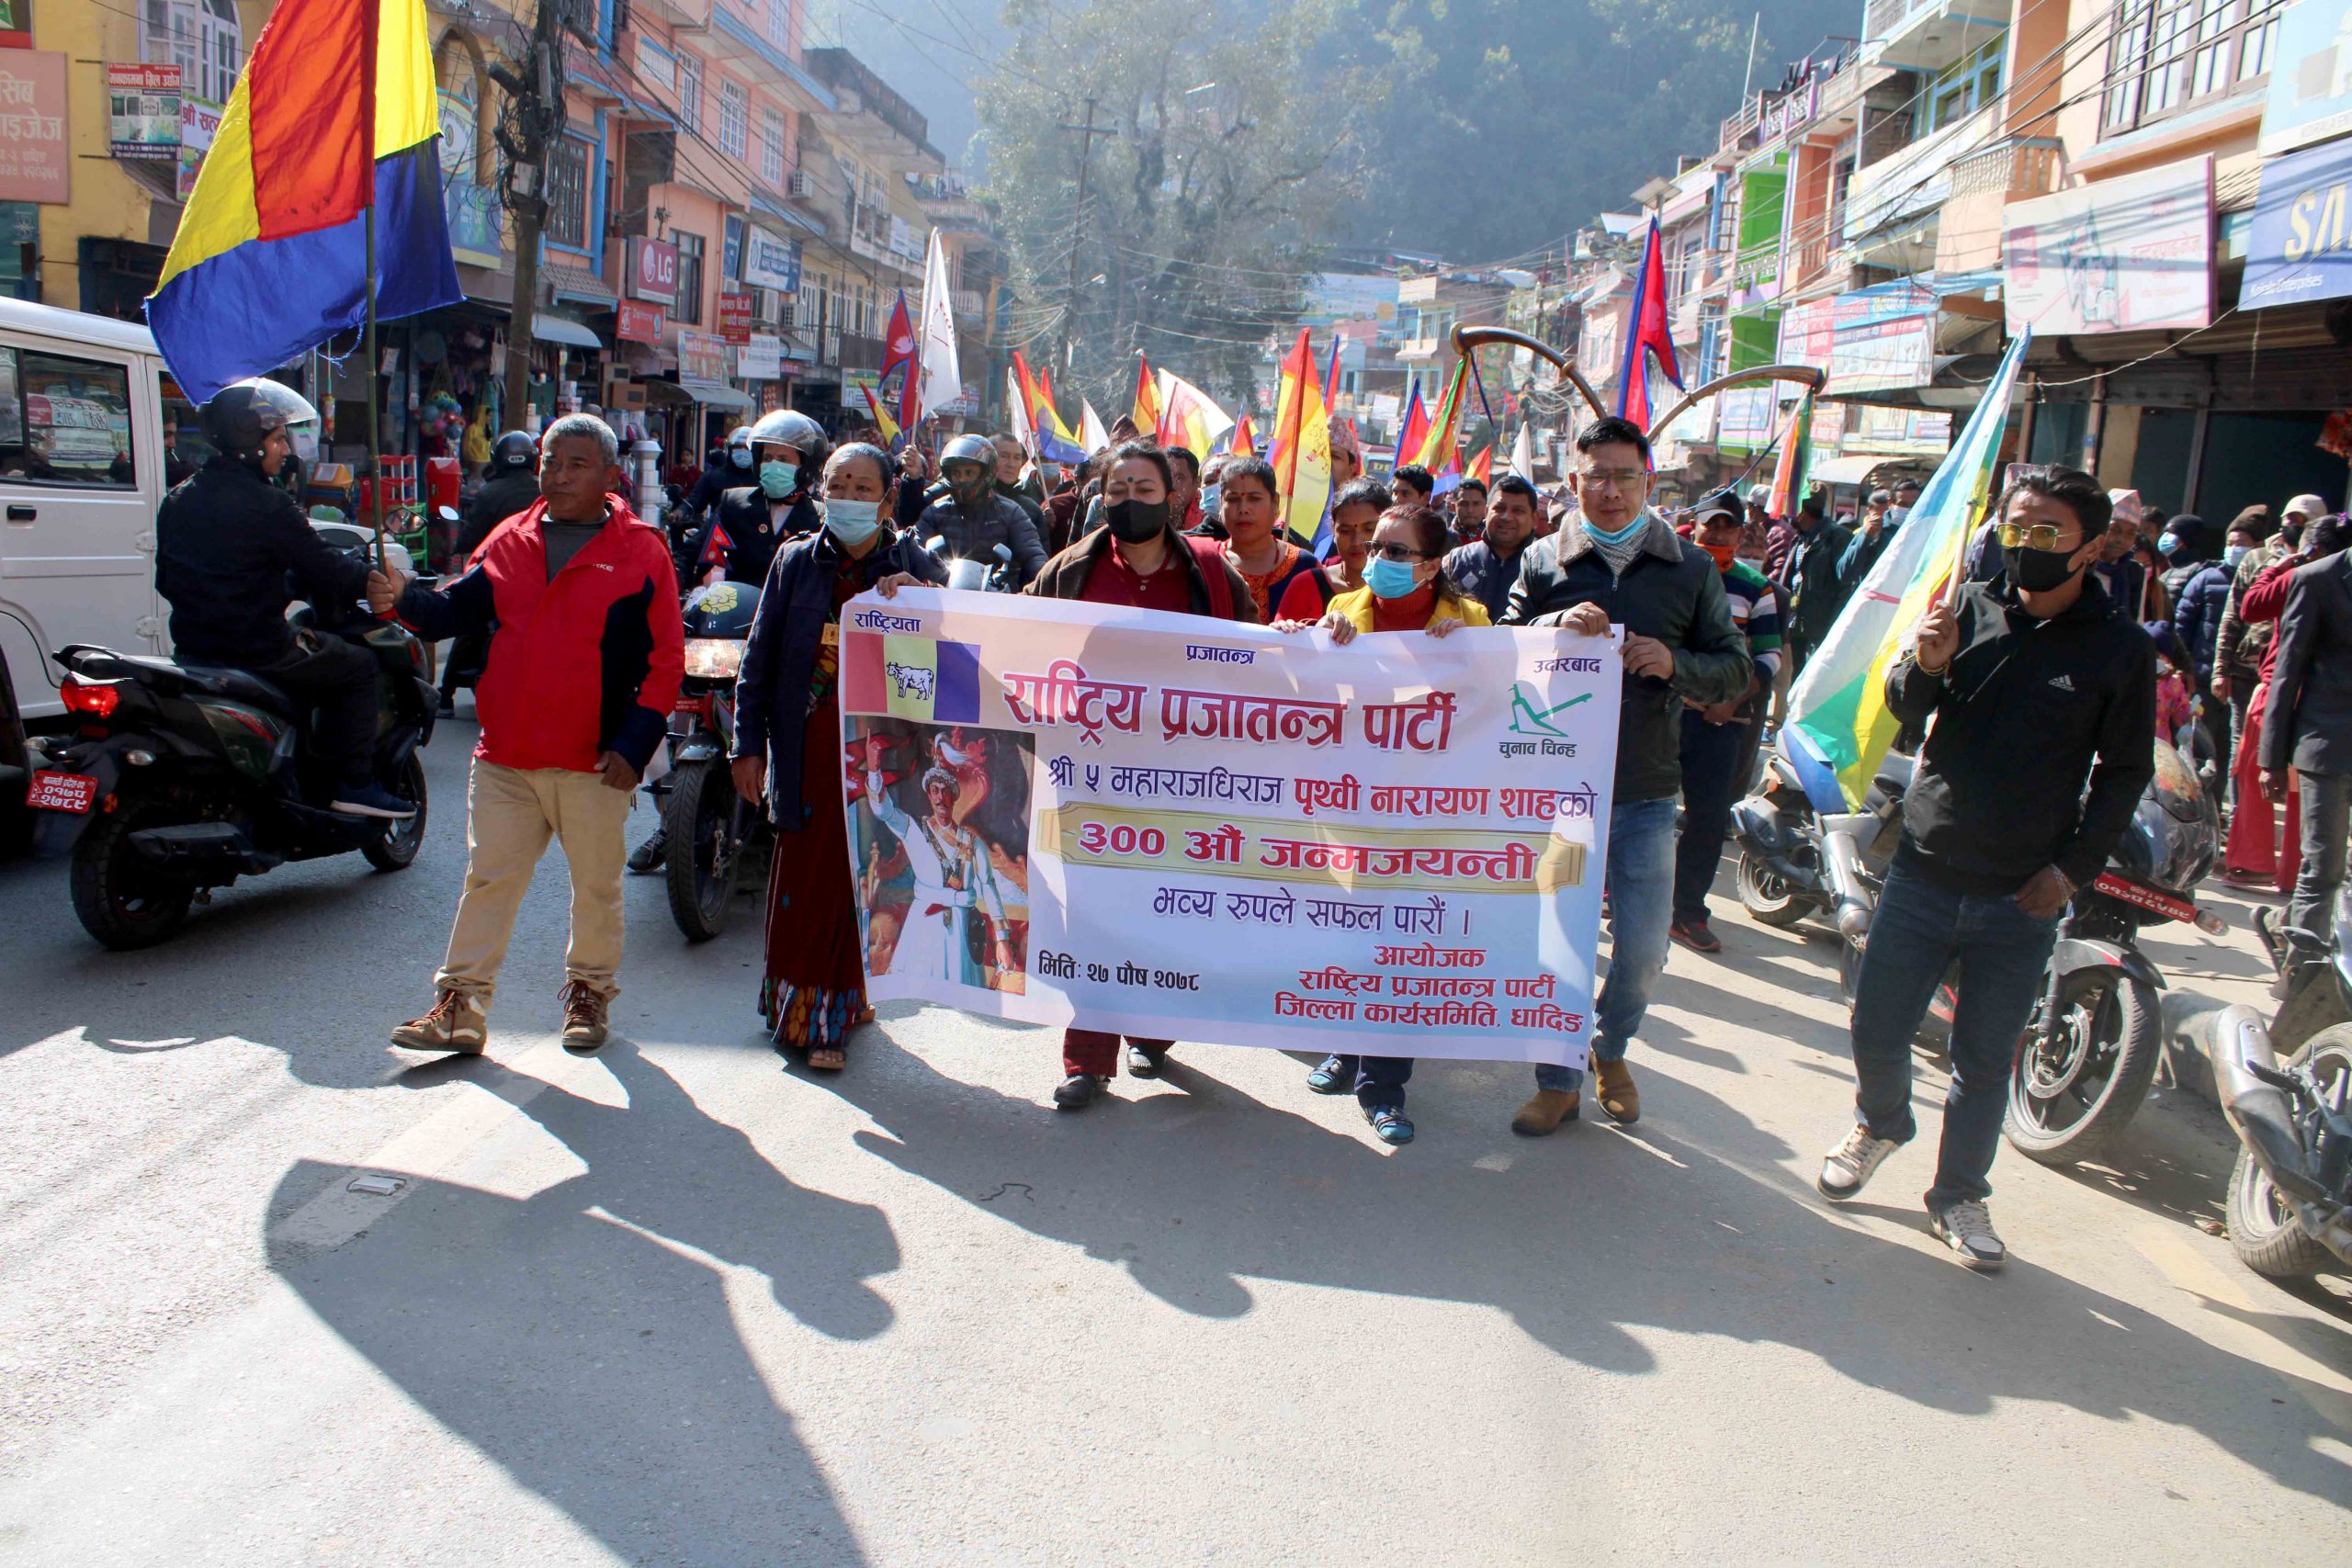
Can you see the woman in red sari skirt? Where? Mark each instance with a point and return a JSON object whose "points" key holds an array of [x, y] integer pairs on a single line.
{"points": [[788, 750]]}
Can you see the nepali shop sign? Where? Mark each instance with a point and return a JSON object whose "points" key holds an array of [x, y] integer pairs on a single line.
{"points": [[1169, 827], [1869, 340], [36, 162], [2300, 247], [2120, 255], [143, 112], [637, 322]]}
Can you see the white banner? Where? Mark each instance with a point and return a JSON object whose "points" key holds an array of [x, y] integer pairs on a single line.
{"points": [[1174, 827]]}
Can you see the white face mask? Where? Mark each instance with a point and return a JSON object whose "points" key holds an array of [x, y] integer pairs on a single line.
{"points": [[1895, 514]]}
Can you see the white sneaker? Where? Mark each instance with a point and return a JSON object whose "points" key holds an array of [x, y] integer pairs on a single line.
{"points": [[1845, 1167], [1967, 1229]]}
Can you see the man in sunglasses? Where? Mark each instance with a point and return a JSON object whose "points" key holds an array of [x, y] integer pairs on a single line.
{"points": [[1616, 561], [2035, 686]]}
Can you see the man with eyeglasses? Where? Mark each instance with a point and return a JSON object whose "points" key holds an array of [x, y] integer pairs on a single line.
{"points": [[2036, 687], [1617, 561]]}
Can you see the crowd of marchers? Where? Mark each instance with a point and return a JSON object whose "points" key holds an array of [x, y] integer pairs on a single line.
{"points": [[2085, 625]]}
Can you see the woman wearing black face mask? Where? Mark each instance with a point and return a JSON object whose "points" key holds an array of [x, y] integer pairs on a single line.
{"points": [[1137, 559]]}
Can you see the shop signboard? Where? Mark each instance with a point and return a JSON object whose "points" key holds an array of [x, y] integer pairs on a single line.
{"points": [[477, 226], [199, 122], [1333, 296], [653, 271], [639, 323], [36, 160], [903, 241], [703, 356], [2311, 77], [735, 318], [1875, 431], [2120, 256], [1869, 340], [143, 112], [770, 262], [15, 24], [1744, 417], [2300, 247], [761, 358], [730, 248]]}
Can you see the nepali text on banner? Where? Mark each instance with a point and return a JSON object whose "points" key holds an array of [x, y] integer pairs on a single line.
{"points": [[1169, 827]]}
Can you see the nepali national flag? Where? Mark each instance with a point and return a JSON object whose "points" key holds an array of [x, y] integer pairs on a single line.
{"points": [[1646, 329], [898, 352], [716, 547]]}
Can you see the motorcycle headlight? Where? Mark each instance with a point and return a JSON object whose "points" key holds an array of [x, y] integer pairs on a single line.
{"points": [[714, 657]]}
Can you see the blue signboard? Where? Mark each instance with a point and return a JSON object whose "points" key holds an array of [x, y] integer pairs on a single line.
{"points": [[2311, 76], [2300, 247], [770, 262], [730, 266]]}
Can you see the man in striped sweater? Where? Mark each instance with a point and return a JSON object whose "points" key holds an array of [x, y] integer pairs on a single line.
{"points": [[1716, 740]]}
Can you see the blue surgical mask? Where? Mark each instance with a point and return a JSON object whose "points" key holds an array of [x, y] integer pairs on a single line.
{"points": [[2233, 555], [740, 456], [778, 480], [1603, 536], [1389, 578], [853, 522], [2168, 544]]}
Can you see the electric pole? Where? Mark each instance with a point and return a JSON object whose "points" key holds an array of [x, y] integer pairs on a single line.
{"points": [[527, 125], [1086, 135]]}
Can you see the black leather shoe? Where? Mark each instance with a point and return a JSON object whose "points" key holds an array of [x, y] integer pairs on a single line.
{"points": [[1077, 1091]]}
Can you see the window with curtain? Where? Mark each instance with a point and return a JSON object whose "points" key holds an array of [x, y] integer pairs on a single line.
{"points": [[689, 93], [734, 119], [2164, 56]]}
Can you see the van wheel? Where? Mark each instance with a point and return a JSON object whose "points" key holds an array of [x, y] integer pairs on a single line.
{"points": [[119, 897]]}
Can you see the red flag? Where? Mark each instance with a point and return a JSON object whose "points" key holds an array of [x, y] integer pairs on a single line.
{"points": [[1646, 329], [715, 547], [1331, 375], [1146, 414], [1482, 466], [1245, 437], [900, 351], [1415, 432]]}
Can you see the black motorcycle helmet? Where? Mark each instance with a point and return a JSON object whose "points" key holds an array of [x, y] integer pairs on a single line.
{"points": [[238, 417], [514, 452]]}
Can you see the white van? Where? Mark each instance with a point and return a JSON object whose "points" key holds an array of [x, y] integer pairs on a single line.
{"points": [[85, 405]]}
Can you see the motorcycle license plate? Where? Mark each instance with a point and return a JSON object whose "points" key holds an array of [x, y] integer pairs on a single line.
{"points": [[61, 791]]}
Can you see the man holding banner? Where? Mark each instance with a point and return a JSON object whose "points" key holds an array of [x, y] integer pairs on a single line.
{"points": [[1617, 561], [2034, 687]]}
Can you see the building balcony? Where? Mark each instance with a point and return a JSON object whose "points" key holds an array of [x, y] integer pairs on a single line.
{"points": [[1418, 347], [1928, 35], [1904, 191], [852, 351], [1968, 233]]}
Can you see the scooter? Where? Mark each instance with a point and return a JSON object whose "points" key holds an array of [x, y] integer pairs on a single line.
{"points": [[1796, 862], [183, 777], [2290, 1209]]}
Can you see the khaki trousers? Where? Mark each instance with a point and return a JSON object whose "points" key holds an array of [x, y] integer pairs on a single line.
{"points": [[511, 814]]}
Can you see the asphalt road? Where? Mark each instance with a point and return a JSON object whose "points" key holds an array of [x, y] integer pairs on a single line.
{"points": [[677, 1305]]}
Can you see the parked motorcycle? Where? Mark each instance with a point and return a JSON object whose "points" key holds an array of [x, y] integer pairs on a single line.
{"points": [[2290, 1209], [708, 830], [1796, 862], [992, 574], [183, 777], [2097, 1036]]}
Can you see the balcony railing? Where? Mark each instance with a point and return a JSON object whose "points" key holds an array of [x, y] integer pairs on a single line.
{"points": [[1968, 233]]}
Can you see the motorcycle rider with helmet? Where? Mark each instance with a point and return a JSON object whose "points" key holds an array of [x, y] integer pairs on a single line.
{"points": [[730, 469], [227, 540], [789, 451], [513, 485], [974, 518]]}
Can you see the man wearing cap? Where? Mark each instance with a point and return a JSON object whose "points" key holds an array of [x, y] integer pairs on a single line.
{"points": [[1718, 737]]}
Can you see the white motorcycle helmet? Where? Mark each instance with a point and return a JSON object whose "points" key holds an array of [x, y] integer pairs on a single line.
{"points": [[789, 427]]}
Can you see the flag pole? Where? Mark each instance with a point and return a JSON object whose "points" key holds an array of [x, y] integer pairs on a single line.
{"points": [[375, 400]]}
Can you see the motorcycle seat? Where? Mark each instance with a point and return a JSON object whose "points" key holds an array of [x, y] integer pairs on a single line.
{"points": [[170, 678]]}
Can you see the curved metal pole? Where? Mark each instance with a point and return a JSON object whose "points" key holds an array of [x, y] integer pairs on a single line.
{"points": [[1469, 339], [1810, 374]]}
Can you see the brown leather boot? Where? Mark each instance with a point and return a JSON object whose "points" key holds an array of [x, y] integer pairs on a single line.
{"points": [[1619, 1101], [454, 1022], [583, 1018], [1542, 1116]]}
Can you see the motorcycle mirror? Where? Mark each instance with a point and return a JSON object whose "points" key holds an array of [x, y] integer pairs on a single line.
{"points": [[1003, 553]]}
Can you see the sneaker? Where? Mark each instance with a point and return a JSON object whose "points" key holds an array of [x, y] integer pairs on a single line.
{"points": [[370, 800], [648, 856], [1696, 935], [1967, 1229], [1847, 1167], [583, 1018], [455, 1023], [1145, 1061], [1389, 1123], [1334, 1077], [1077, 1091]]}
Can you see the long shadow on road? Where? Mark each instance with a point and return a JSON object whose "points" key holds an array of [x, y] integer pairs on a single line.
{"points": [[587, 1338], [1581, 1239]]}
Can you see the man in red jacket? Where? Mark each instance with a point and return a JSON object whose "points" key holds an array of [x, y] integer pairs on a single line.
{"points": [[583, 671]]}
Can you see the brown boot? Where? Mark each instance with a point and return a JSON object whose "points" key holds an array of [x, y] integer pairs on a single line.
{"points": [[1542, 1116], [455, 1023], [583, 1018], [1619, 1101]]}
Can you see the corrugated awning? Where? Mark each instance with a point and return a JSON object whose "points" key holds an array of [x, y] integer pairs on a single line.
{"points": [[718, 394], [556, 329], [578, 283]]}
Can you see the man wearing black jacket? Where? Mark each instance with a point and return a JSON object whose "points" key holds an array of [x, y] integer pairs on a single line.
{"points": [[2034, 686], [2307, 724]]}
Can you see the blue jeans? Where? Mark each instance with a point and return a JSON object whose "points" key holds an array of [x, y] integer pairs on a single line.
{"points": [[1641, 905], [1918, 929]]}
